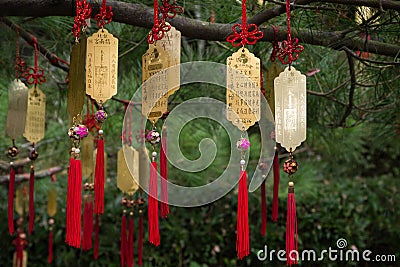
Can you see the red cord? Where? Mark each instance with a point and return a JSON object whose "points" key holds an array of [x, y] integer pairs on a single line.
{"points": [[34, 75], [105, 15], [244, 34], [290, 49]]}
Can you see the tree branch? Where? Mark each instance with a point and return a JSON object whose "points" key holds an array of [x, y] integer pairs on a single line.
{"points": [[38, 175], [353, 82], [29, 38], [142, 16]]}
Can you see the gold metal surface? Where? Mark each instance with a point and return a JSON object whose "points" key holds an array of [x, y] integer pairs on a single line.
{"points": [[35, 115], [17, 105]]}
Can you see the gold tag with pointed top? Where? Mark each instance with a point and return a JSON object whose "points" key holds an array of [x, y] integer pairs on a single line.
{"points": [[35, 115], [144, 167], [154, 90], [87, 147], [52, 202], [76, 85], [172, 45], [273, 71], [243, 89], [101, 65], [17, 105], [127, 169]]}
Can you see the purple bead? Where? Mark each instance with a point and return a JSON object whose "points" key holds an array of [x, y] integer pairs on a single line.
{"points": [[100, 116], [153, 137], [243, 144]]}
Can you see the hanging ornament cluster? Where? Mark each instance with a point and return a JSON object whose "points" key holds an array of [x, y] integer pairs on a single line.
{"points": [[243, 110], [290, 126]]}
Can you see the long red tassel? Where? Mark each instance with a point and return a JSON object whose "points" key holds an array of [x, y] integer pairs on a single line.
{"points": [[11, 187], [154, 233], [242, 237], [140, 241], [99, 179], [164, 175], [31, 200], [263, 210], [19, 257], [122, 250], [129, 246], [291, 228], [50, 247], [275, 198], [96, 238], [70, 197], [87, 223], [77, 206]]}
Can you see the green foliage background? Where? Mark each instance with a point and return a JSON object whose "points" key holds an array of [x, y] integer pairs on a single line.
{"points": [[347, 185]]}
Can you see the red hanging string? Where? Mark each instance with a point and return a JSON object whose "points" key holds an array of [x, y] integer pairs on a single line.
{"points": [[291, 229], [20, 64], [154, 233], [242, 235], [31, 200], [290, 50], [105, 15], [87, 223], [83, 11], [244, 33], [129, 247], [170, 10], [275, 197], [122, 250], [34, 75], [263, 210], [70, 190], [140, 241], [159, 27], [11, 186], [50, 247], [77, 205], [96, 238], [164, 175], [99, 178], [275, 44]]}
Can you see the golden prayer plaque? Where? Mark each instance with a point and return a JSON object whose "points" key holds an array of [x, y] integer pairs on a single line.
{"points": [[243, 89], [101, 66], [290, 108], [154, 90], [274, 70], [36, 115], [172, 45], [127, 169], [52, 202], [21, 201], [76, 85], [24, 260], [17, 105], [87, 147]]}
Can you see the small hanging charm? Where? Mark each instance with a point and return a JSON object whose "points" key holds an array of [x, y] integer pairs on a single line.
{"points": [[20, 258]]}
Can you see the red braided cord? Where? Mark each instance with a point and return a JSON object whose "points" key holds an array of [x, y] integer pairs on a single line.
{"points": [[244, 14], [34, 75], [105, 15]]}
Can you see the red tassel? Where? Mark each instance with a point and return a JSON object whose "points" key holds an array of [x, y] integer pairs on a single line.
{"points": [[31, 200], [19, 254], [242, 237], [96, 239], [275, 198], [11, 186], [77, 206], [164, 175], [140, 241], [291, 228], [70, 197], [50, 247], [154, 233], [87, 223], [122, 250], [129, 246], [99, 179], [263, 210]]}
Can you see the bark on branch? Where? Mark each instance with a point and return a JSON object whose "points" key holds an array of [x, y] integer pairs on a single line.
{"points": [[38, 175], [142, 16]]}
